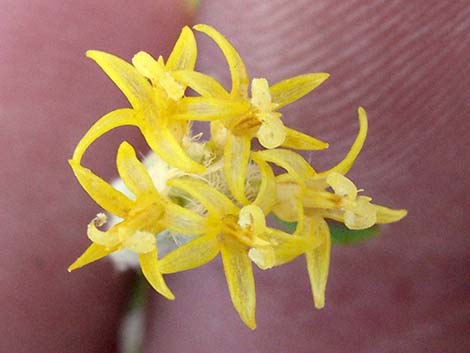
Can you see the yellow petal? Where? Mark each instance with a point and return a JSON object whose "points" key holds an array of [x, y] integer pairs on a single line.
{"points": [[341, 185], [362, 216], [236, 156], [387, 215], [345, 165], [165, 145], [184, 221], [114, 119], [287, 204], [132, 172], [213, 200], [272, 132], [300, 141], [140, 242], [318, 262], [292, 162], [191, 255], [266, 197], [149, 264], [134, 86], [92, 254], [292, 89], [203, 84], [102, 192], [287, 247], [240, 280], [207, 108], [252, 217], [184, 53], [238, 72], [147, 66], [109, 239], [260, 96]]}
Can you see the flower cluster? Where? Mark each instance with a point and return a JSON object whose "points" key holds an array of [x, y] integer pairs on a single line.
{"points": [[218, 193]]}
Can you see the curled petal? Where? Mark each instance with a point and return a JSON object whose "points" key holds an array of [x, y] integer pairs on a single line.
{"points": [[196, 253], [102, 192], [318, 262], [92, 254], [300, 141], [112, 120], [238, 72], [236, 156], [134, 86], [287, 247], [132, 172], [184, 53], [203, 84], [184, 221], [387, 215], [240, 280], [272, 132], [341, 185], [266, 197], [213, 200], [292, 89], [107, 239], [345, 165], [149, 264], [252, 216], [207, 108], [292, 162]]}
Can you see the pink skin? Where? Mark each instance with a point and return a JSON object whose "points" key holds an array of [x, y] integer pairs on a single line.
{"points": [[50, 95], [405, 62]]}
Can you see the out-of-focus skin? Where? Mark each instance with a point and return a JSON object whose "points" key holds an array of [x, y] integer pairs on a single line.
{"points": [[50, 94], [407, 63]]}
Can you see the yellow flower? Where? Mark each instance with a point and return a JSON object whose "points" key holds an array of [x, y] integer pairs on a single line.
{"points": [[302, 196], [232, 232], [259, 114], [143, 217], [159, 109]]}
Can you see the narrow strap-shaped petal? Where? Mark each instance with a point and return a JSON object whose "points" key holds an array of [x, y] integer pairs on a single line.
{"points": [[236, 157], [345, 165], [388, 215], [240, 79], [203, 84], [165, 145], [292, 162], [318, 262], [292, 89], [112, 120], [184, 221], [184, 53], [102, 192], [272, 132], [213, 200], [266, 197], [93, 253], [240, 280], [132, 172], [134, 86], [300, 141], [208, 108], [149, 265], [196, 253]]}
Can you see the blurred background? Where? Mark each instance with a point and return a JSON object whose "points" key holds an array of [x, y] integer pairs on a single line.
{"points": [[406, 62]]}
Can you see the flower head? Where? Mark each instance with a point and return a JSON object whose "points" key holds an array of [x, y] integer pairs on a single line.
{"points": [[218, 193]]}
